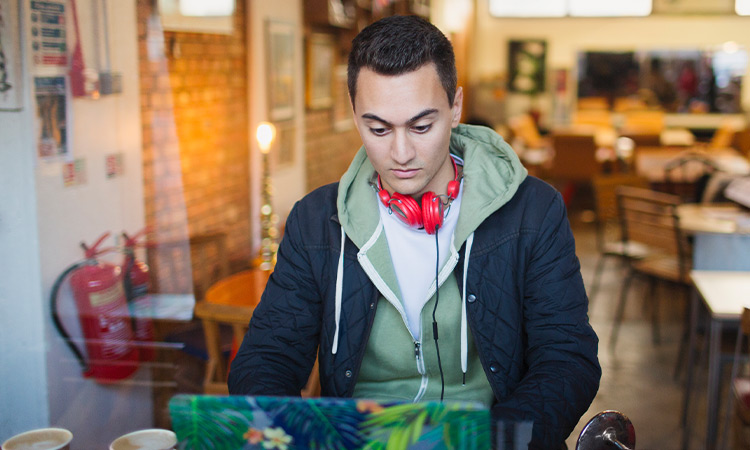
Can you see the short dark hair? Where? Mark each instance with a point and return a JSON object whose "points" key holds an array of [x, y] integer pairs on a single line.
{"points": [[400, 44]]}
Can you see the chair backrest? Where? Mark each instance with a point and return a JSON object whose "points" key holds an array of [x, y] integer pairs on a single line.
{"points": [[605, 202], [592, 103], [600, 118], [723, 136], [644, 121], [688, 175], [575, 157], [650, 217]]}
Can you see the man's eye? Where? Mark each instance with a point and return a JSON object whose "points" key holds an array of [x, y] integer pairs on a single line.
{"points": [[422, 128], [378, 131]]}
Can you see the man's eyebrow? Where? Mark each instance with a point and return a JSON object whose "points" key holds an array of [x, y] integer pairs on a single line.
{"points": [[422, 114]]}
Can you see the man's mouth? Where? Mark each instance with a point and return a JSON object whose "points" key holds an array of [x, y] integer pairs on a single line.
{"points": [[404, 173]]}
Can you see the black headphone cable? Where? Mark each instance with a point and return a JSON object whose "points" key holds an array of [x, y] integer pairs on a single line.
{"points": [[434, 309]]}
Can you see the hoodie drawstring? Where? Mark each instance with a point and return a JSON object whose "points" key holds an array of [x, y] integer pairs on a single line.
{"points": [[464, 328], [339, 293]]}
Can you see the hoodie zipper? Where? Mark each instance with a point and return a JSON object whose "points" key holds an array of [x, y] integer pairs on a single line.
{"points": [[420, 368]]}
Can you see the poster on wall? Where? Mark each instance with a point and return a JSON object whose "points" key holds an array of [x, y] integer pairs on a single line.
{"points": [[281, 73], [51, 115], [526, 64], [10, 62], [47, 34]]}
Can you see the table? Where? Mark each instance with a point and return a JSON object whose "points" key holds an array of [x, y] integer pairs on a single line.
{"points": [[232, 301], [724, 218], [650, 162], [724, 294]]}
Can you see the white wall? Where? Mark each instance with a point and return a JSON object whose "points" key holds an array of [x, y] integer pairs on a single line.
{"points": [[288, 181], [567, 36], [23, 390], [41, 225]]}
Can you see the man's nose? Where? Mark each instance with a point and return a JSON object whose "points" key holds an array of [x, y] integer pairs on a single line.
{"points": [[402, 150]]}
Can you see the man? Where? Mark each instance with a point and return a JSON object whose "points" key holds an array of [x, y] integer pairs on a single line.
{"points": [[426, 199]]}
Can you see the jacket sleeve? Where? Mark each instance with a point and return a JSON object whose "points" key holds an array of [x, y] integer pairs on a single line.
{"points": [[279, 348], [563, 370]]}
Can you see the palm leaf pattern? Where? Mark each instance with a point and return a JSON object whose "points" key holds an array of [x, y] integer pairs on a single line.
{"points": [[431, 425], [204, 422], [333, 425], [209, 425]]}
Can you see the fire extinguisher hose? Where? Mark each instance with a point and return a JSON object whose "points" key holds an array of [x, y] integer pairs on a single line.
{"points": [[56, 318]]}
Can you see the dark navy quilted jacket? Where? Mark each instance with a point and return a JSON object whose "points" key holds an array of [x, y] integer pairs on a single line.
{"points": [[526, 309]]}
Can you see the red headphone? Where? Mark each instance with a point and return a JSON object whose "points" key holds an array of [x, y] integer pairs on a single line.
{"points": [[430, 215]]}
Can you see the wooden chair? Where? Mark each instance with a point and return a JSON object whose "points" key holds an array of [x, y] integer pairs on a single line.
{"points": [[599, 118], [574, 163], [644, 121], [231, 302], [592, 103], [723, 136], [651, 218], [688, 175], [609, 238]]}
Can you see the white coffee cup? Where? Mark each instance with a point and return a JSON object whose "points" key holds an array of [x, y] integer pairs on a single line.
{"points": [[40, 439], [150, 439]]}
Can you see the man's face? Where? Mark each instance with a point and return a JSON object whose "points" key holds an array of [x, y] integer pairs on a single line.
{"points": [[405, 123]]}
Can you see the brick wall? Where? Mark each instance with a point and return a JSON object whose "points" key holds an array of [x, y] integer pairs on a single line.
{"points": [[195, 139], [328, 152]]}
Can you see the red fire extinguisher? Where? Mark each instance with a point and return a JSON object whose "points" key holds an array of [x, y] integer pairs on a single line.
{"points": [[136, 284], [103, 313]]}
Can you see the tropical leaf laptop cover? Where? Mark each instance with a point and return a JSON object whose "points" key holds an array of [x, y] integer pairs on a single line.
{"points": [[283, 423]]}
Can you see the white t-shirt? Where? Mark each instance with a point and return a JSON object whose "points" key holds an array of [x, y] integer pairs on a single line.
{"points": [[413, 255]]}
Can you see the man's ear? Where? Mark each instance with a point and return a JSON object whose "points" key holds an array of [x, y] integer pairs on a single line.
{"points": [[458, 102]]}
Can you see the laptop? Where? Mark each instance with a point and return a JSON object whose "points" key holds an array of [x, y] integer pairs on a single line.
{"points": [[236, 422]]}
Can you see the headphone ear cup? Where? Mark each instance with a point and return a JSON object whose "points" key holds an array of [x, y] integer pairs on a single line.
{"points": [[453, 188], [407, 209], [384, 196], [432, 212]]}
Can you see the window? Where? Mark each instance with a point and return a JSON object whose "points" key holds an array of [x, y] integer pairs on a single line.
{"points": [[528, 8], [598, 8], [574, 8], [742, 7]]}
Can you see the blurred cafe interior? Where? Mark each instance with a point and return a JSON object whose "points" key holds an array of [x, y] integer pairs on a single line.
{"points": [[156, 147]]}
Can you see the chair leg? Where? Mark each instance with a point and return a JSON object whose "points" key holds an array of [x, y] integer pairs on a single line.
{"points": [[682, 350], [653, 301], [620, 309], [597, 279]]}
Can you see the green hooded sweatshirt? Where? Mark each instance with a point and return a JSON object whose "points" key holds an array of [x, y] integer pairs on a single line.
{"points": [[396, 366]]}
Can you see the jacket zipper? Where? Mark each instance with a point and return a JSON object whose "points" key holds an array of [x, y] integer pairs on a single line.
{"points": [[420, 368]]}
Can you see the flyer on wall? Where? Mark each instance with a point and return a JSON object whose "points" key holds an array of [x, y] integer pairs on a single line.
{"points": [[48, 37], [10, 61], [52, 117]]}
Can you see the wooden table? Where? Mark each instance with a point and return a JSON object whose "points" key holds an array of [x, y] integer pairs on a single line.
{"points": [[724, 294], [232, 301]]}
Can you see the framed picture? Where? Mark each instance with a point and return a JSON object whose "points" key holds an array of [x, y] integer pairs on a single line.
{"points": [[10, 61], [526, 64], [342, 106], [280, 70], [320, 62]]}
